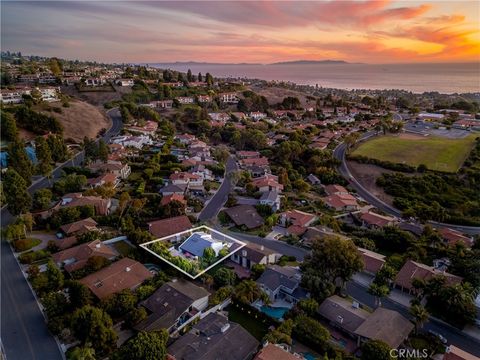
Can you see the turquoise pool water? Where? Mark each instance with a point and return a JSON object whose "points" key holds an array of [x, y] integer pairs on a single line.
{"points": [[274, 312], [308, 356]]}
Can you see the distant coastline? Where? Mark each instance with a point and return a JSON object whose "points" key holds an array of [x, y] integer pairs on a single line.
{"points": [[444, 78]]}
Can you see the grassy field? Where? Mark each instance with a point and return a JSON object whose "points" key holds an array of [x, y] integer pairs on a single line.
{"points": [[436, 153]]}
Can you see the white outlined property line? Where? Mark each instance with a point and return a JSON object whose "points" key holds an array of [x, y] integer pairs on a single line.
{"points": [[203, 228]]}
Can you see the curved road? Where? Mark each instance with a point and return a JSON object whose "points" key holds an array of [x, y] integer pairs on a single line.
{"points": [[340, 152], [210, 211], [24, 333]]}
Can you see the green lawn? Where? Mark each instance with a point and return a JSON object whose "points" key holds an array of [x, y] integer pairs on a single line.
{"points": [[255, 326], [436, 153]]}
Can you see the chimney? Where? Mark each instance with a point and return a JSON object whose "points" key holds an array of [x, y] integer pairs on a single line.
{"points": [[127, 269], [262, 247]]}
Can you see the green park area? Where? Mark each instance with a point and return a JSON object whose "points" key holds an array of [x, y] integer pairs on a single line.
{"points": [[437, 153]]}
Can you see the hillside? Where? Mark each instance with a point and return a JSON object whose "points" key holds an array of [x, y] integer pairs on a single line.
{"points": [[80, 119]]}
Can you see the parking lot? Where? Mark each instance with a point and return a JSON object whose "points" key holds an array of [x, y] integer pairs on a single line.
{"points": [[436, 129]]}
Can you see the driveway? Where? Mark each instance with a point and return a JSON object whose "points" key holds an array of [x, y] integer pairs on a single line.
{"points": [[214, 205]]}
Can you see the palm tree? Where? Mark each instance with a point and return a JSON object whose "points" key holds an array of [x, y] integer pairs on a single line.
{"points": [[420, 314], [379, 291], [247, 291]]}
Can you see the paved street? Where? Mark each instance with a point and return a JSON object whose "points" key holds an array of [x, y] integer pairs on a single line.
{"points": [[220, 198], [24, 333]]}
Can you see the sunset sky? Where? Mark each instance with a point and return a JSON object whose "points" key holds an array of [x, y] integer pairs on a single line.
{"points": [[243, 31]]}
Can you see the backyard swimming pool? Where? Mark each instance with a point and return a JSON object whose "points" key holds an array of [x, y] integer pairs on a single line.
{"points": [[274, 312]]}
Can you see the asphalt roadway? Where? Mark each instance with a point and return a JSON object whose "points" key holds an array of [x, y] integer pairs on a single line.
{"points": [[24, 333], [210, 211], [340, 152]]}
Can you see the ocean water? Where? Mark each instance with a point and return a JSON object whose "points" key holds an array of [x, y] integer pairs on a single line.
{"points": [[418, 78]]}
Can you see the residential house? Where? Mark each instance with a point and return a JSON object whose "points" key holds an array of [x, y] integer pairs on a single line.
{"points": [[296, 221], [185, 178], [414, 270], [173, 197], [312, 179], [196, 244], [341, 202], [219, 116], [185, 100], [122, 274], [253, 254], [282, 284], [170, 226], [77, 257], [247, 154], [373, 261], [102, 206], [267, 182], [256, 115], [245, 215], [257, 171], [114, 167], [125, 82], [203, 99], [104, 179], [451, 237], [95, 81], [275, 352], [212, 338], [202, 171], [376, 221], [137, 142], [163, 104], [171, 189], [343, 313], [229, 98], [385, 325], [272, 199], [171, 305], [257, 161], [79, 227], [185, 138], [149, 129]]}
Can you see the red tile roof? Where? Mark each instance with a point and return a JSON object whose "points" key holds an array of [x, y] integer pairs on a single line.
{"points": [[79, 226], [298, 218], [81, 253], [170, 226], [413, 270], [453, 236], [372, 260], [168, 198]]}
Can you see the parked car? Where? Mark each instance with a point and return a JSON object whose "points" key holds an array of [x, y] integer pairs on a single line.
{"points": [[438, 336]]}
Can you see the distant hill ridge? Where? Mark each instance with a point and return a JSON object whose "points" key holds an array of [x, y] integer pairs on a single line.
{"points": [[295, 62]]}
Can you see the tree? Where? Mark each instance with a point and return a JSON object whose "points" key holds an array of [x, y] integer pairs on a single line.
{"points": [[247, 291], [82, 353], [189, 75], [58, 148], [55, 304], [224, 277], [9, 126], [16, 195], [351, 139], [375, 350], [119, 303], [282, 334], [93, 325], [310, 331], [420, 314], [145, 346], [331, 259], [54, 276], [80, 295], [19, 161], [102, 151], [379, 291], [42, 199], [308, 306], [44, 156], [208, 255], [135, 316]]}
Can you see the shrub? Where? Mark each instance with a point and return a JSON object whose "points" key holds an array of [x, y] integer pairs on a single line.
{"points": [[25, 244], [33, 256]]}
